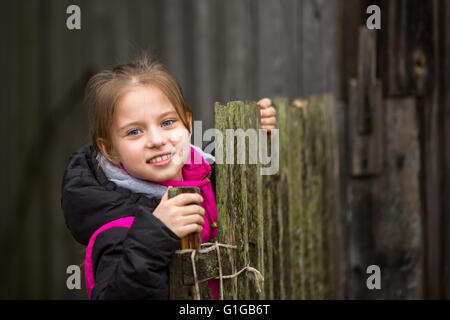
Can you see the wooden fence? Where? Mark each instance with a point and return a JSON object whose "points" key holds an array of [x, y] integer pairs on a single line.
{"points": [[282, 223]]}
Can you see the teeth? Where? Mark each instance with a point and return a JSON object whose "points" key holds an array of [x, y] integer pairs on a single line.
{"points": [[158, 159]]}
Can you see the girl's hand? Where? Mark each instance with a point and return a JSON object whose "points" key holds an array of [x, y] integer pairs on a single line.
{"points": [[268, 114], [181, 214]]}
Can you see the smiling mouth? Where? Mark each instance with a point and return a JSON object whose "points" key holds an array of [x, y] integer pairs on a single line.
{"points": [[161, 158]]}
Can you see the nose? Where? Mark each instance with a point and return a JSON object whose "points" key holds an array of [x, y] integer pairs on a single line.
{"points": [[156, 138]]}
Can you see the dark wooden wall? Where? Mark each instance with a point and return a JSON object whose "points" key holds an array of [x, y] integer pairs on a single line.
{"points": [[414, 62], [398, 218]]}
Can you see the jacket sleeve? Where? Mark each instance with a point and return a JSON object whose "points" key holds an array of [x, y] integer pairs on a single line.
{"points": [[133, 263]]}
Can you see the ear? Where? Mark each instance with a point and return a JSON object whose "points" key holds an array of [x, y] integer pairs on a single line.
{"points": [[106, 148]]}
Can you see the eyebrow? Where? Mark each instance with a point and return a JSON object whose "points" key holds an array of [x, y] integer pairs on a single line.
{"points": [[162, 115]]}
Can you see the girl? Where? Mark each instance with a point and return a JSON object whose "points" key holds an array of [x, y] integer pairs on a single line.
{"points": [[115, 189]]}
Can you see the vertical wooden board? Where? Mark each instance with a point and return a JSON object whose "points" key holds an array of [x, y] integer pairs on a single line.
{"points": [[329, 190], [360, 206], [394, 48], [399, 253], [250, 124], [177, 289], [223, 193], [409, 47], [239, 192], [446, 136], [426, 84], [360, 237], [334, 252], [276, 254], [267, 190], [348, 21], [300, 221], [366, 149], [275, 232], [315, 195], [260, 211], [339, 221], [295, 198], [305, 212], [315, 200], [283, 195]]}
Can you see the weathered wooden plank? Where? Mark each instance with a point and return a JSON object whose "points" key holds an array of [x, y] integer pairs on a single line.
{"points": [[287, 145], [445, 13], [408, 26], [348, 22], [270, 210], [334, 255], [239, 194], [330, 226], [314, 158], [365, 108], [398, 206], [320, 217], [251, 119], [223, 196], [427, 81], [178, 290], [282, 256], [295, 162]]}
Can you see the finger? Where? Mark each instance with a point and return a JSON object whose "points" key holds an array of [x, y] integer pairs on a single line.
{"points": [[268, 128], [265, 103], [269, 112], [184, 199], [191, 228], [268, 121], [193, 218], [193, 209]]}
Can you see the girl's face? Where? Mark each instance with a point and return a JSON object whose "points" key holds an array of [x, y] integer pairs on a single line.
{"points": [[146, 126]]}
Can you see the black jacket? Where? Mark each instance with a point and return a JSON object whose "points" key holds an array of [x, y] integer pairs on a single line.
{"points": [[127, 263]]}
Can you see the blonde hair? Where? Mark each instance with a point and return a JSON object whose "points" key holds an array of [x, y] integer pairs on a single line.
{"points": [[104, 90]]}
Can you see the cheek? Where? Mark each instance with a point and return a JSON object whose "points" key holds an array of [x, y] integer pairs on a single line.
{"points": [[181, 140], [129, 151]]}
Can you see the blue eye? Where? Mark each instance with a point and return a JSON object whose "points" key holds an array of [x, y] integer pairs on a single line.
{"points": [[171, 122], [133, 132]]}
